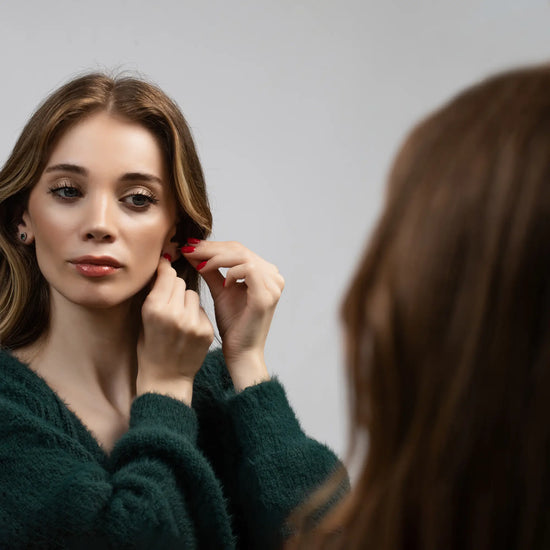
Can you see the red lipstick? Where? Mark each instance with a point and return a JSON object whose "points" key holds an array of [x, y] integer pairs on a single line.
{"points": [[95, 266]]}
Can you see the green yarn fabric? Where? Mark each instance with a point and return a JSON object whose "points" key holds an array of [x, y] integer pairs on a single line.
{"points": [[222, 474]]}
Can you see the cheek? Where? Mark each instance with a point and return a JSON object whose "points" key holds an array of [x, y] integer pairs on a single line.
{"points": [[148, 242], [50, 232], [49, 245]]}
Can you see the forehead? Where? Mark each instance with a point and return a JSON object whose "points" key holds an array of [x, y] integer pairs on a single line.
{"points": [[107, 143]]}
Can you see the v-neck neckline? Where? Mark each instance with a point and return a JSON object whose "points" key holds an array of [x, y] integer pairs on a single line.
{"points": [[92, 444]]}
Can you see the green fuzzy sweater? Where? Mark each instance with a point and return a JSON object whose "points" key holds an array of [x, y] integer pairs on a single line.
{"points": [[222, 474]]}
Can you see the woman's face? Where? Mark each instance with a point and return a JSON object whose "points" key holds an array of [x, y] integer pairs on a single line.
{"points": [[102, 213]]}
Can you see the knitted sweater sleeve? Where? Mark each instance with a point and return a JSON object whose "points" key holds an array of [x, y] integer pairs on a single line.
{"points": [[279, 465], [268, 465], [156, 486]]}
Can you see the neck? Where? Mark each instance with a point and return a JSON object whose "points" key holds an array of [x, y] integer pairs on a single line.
{"points": [[90, 349]]}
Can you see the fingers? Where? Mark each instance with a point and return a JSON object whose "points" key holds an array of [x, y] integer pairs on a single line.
{"points": [[175, 338], [265, 287], [163, 286], [208, 257], [216, 254], [171, 305]]}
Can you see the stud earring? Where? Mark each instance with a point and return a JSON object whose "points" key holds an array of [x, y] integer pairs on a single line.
{"points": [[23, 237]]}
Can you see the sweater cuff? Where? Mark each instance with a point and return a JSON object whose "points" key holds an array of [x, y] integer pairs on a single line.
{"points": [[262, 415], [153, 409]]}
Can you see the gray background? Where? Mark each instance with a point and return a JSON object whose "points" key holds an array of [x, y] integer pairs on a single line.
{"points": [[297, 108]]}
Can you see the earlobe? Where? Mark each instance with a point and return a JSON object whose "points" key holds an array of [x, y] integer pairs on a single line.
{"points": [[24, 229], [172, 250]]}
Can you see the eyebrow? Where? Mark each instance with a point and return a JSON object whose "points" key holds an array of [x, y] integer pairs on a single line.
{"points": [[72, 168], [141, 176], [81, 171]]}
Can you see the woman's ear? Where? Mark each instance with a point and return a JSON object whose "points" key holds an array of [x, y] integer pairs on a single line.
{"points": [[24, 227], [171, 247], [173, 250]]}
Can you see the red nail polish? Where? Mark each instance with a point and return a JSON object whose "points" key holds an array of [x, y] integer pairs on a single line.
{"points": [[224, 283], [191, 240], [187, 249], [167, 256], [201, 265]]}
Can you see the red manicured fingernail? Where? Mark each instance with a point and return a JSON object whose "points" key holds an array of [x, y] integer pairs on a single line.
{"points": [[167, 256], [224, 282], [201, 265], [187, 249], [191, 240]]}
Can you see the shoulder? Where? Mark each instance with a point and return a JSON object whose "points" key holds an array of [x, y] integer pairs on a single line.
{"points": [[14, 372], [14, 376], [22, 390]]}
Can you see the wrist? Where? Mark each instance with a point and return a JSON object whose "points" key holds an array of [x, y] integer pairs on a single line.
{"points": [[247, 369], [180, 388]]}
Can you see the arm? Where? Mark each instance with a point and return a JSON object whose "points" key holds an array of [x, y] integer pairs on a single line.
{"points": [[279, 465], [267, 463], [254, 442]]}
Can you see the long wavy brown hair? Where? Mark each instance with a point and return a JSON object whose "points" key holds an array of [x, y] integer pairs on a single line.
{"points": [[24, 293], [447, 324]]}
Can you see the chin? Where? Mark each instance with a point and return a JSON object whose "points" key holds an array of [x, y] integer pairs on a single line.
{"points": [[98, 304], [105, 300]]}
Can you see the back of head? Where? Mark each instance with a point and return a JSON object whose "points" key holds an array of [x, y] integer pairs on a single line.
{"points": [[448, 332], [24, 295]]}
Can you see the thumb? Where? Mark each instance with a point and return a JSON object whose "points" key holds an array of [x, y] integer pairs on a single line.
{"points": [[214, 279]]}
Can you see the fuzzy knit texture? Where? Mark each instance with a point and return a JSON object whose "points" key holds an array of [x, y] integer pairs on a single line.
{"points": [[222, 474]]}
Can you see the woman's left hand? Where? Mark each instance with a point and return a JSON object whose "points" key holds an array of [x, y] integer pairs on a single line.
{"points": [[244, 301]]}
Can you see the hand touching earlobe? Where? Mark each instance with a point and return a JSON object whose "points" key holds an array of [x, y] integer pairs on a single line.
{"points": [[171, 251], [171, 247]]}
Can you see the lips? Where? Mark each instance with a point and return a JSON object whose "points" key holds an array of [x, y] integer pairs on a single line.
{"points": [[97, 260], [96, 266]]}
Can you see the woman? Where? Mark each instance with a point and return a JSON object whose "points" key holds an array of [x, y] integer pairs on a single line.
{"points": [[111, 433], [447, 326]]}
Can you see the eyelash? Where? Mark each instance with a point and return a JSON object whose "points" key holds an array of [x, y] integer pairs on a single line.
{"points": [[55, 189], [149, 197]]}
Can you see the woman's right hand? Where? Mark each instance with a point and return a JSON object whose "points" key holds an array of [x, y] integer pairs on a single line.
{"points": [[175, 338]]}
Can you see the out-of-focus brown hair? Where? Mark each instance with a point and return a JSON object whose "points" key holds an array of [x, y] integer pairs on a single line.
{"points": [[24, 295], [447, 324]]}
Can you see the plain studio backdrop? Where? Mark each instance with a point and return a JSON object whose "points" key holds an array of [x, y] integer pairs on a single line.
{"points": [[297, 108]]}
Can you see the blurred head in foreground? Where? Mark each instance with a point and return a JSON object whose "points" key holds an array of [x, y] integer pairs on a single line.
{"points": [[447, 324]]}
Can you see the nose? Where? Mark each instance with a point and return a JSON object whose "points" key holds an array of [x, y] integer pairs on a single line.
{"points": [[99, 219]]}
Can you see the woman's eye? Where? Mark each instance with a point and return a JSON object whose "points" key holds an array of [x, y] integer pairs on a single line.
{"points": [[139, 200], [66, 192]]}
